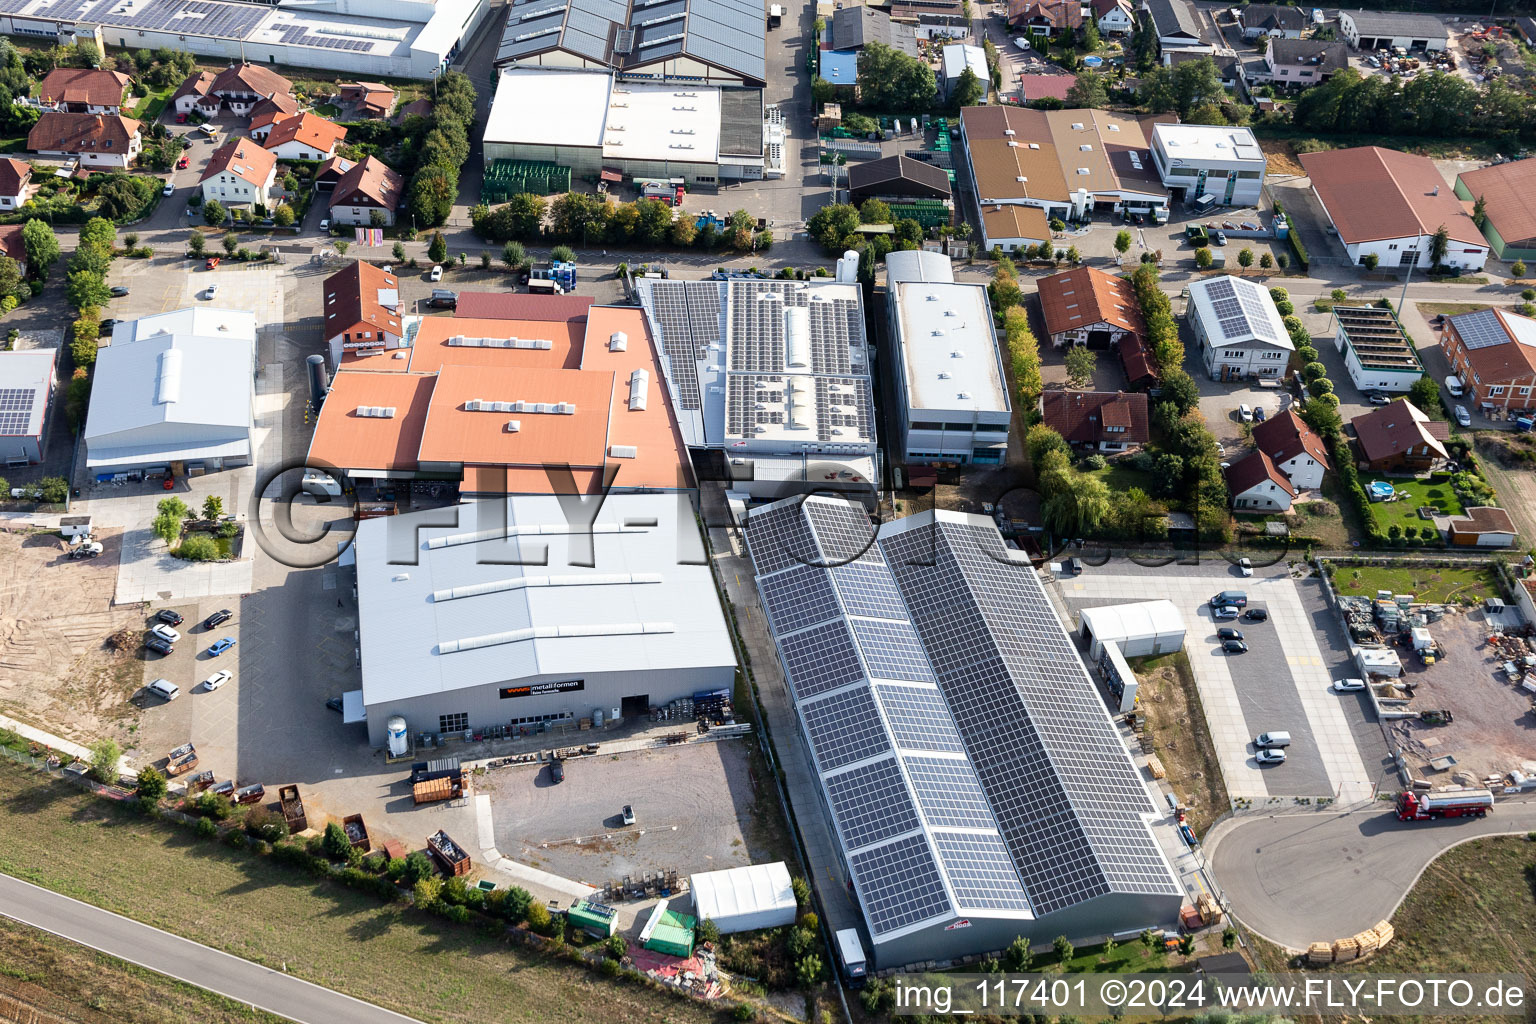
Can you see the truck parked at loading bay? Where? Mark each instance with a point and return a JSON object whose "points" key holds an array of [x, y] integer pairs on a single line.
{"points": [[1447, 803]]}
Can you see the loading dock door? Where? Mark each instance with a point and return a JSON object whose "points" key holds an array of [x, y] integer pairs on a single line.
{"points": [[635, 707]]}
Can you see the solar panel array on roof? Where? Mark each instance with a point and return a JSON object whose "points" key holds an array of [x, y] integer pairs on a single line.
{"points": [[187, 17], [16, 409], [844, 728], [1480, 329], [667, 303], [871, 803], [899, 884], [1240, 309]]}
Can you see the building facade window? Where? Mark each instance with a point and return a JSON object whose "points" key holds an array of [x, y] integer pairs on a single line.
{"points": [[456, 722]]}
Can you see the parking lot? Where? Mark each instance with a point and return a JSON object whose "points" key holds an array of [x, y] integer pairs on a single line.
{"points": [[691, 802], [1282, 683]]}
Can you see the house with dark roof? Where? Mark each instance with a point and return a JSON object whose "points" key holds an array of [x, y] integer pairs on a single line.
{"points": [[1114, 17], [1177, 24], [1493, 351], [1304, 62], [109, 141], [1484, 526], [896, 178], [369, 186], [1384, 30], [1390, 205], [1229, 67], [83, 90], [1257, 485], [1294, 449], [331, 171], [1101, 421], [1045, 17], [1508, 192], [854, 28], [15, 183], [362, 311], [268, 112], [1398, 438], [1086, 306], [1272, 20]]}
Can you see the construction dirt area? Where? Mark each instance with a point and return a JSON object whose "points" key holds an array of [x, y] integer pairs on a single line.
{"points": [[1172, 727], [57, 668], [1492, 733]]}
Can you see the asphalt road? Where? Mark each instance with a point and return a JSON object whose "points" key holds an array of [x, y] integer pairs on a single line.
{"points": [[1302, 878], [184, 960]]}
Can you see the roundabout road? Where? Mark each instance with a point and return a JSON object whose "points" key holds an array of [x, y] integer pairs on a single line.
{"points": [[1315, 877]]}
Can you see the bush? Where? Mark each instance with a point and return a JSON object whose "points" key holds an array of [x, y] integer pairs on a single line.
{"points": [[205, 828], [539, 920], [198, 547], [1517, 268], [334, 842], [615, 948], [234, 839], [213, 805], [104, 757], [427, 892], [1095, 462], [152, 784], [416, 867], [708, 931]]}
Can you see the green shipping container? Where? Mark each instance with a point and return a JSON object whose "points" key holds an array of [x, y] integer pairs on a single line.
{"points": [[673, 934], [595, 919]]}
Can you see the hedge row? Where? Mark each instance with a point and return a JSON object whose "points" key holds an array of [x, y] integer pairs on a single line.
{"points": [[1298, 247]]}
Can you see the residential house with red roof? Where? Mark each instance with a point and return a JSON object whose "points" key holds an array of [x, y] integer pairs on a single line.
{"points": [[1114, 17], [1045, 17], [1102, 421], [240, 87], [1294, 449], [1398, 438], [1088, 307], [1390, 205], [362, 311], [99, 141], [15, 183], [268, 112], [83, 90], [304, 137], [369, 186], [239, 173], [1494, 353], [1257, 485], [192, 89]]}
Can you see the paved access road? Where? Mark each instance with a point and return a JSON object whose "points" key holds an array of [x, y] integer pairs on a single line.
{"points": [[184, 960], [1302, 878]]}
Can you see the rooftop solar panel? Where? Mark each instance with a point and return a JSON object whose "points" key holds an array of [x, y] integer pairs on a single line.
{"points": [[844, 728], [871, 804], [799, 597], [899, 884], [868, 590], [949, 794], [919, 719], [892, 650], [821, 658], [980, 872]]}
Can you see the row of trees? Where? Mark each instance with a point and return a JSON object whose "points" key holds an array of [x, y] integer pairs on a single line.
{"points": [[1431, 104], [577, 216], [440, 153], [890, 80], [835, 229], [1181, 431]]}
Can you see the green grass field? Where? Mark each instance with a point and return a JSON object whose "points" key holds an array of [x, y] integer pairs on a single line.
{"points": [[1120, 477], [419, 965], [1434, 586], [1435, 490]]}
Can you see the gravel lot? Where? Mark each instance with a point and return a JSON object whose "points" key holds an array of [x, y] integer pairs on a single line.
{"points": [[692, 812]]}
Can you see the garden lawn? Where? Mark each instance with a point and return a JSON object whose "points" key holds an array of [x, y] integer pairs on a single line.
{"points": [[1435, 490], [1121, 476], [1427, 584]]}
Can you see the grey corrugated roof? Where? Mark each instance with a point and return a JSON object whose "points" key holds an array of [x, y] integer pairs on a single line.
{"points": [[1397, 23], [727, 34], [1300, 51], [863, 176], [741, 122], [1268, 16]]}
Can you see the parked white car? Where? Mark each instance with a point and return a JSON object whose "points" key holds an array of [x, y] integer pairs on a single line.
{"points": [[164, 688], [1022, 42], [165, 633], [437, 273], [217, 680], [1348, 685], [1245, 413], [1463, 418]]}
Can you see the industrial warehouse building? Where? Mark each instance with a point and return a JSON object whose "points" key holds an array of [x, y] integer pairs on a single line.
{"points": [[930, 675], [951, 391], [591, 121], [1378, 353], [394, 38], [1508, 192], [515, 612], [27, 380], [770, 380], [174, 392]]}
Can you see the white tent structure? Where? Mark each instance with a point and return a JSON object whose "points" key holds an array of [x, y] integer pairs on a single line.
{"points": [[745, 899], [1140, 629]]}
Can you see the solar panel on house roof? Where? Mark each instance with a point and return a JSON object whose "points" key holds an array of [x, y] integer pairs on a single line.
{"points": [[16, 409], [1480, 329]]}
